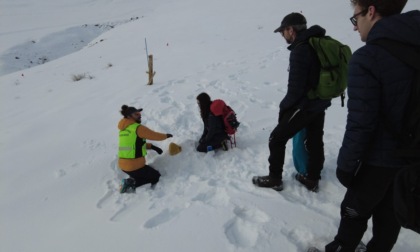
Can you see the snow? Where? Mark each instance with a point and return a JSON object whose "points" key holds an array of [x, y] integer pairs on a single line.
{"points": [[59, 175]]}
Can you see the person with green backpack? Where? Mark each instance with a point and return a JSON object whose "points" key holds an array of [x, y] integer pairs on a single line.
{"points": [[317, 73]]}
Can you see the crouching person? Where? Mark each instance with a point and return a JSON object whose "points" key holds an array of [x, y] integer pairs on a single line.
{"points": [[214, 135], [133, 149]]}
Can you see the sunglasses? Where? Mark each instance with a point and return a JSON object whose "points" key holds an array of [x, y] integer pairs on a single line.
{"points": [[353, 19]]}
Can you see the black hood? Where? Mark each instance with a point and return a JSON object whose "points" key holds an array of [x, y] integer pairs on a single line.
{"points": [[402, 27]]}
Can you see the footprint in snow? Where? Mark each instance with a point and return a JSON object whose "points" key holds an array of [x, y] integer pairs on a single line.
{"points": [[243, 230], [161, 218]]}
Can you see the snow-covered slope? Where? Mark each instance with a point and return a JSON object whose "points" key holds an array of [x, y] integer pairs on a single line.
{"points": [[59, 179]]}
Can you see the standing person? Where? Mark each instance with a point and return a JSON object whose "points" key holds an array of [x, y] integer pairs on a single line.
{"points": [[297, 111], [214, 135], [378, 88], [133, 149]]}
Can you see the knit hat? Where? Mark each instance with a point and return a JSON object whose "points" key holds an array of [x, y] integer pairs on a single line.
{"points": [[291, 19], [174, 149]]}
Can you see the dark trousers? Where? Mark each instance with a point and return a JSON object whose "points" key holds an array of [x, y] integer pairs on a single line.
{"points": [[144, 175], [215, 143], [289, 124], [370, 195]]}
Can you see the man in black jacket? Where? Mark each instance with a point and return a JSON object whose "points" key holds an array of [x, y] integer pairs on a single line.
{"points": [[378, 89], [297, 111]]}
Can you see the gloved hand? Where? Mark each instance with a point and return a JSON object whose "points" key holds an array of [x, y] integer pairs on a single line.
{"points": [[345, 178], [157, 149], [169, 135]]}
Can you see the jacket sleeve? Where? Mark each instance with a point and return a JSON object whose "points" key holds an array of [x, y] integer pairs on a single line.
{"points": [[205, 130], [145, 132], [301, 59], [364, 91]]}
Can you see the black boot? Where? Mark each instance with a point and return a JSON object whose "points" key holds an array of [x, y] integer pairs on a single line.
{"points": [[268, 182], [128, 185], [311, 185]]}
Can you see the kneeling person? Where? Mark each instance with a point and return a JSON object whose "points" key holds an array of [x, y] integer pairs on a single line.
{"points": [[133, 149]]}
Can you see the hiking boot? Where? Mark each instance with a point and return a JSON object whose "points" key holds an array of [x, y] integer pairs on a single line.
{"points": [[224, 145], [128, 186], [311, 185], [335, 246], [268, 182]]}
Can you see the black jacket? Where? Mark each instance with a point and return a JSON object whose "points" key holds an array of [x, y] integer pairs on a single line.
{"points": [[214, 130], [304, 68], [378, 90]]}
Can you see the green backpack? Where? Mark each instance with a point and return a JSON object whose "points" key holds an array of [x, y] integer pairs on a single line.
{"points": [[334, 58]]}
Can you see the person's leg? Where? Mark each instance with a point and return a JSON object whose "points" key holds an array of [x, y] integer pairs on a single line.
{"points": [[202, 147], [277, 146], [145, 175], [385, 226], [217, 141], [315, 145], [290, 123], [352, 225], [363, 198]]}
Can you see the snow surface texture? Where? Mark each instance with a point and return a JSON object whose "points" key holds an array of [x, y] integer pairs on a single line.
{"points": [[59, 114]]}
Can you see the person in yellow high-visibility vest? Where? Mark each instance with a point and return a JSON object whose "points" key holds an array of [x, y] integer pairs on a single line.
{"points": [[133, 149]]}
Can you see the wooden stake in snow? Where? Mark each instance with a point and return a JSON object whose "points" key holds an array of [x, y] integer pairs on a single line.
{"points": [[150, 64], [150, 72]]}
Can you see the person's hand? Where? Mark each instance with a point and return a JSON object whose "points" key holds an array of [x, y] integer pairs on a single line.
{"points": [[345, 178], [157, 149], [169, 135]]}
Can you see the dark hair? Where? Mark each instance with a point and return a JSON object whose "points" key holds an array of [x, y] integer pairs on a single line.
{"points": [[299, 28], [204, 102], [124, 110], [385, 8]]}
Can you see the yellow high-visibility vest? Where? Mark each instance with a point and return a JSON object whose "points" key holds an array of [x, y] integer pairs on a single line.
{"points": [[130, 145]]}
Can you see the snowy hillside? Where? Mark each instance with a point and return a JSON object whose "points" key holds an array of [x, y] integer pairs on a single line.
{"points": [[58, 175]]}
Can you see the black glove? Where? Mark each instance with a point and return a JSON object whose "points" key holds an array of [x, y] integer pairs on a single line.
{"points": [[345, 178], [157, 149], [168, 135]]}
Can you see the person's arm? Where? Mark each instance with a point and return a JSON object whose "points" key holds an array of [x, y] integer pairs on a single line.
{"points": [[146, 133], [205, 131], [300, 62], [364, 92]]}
